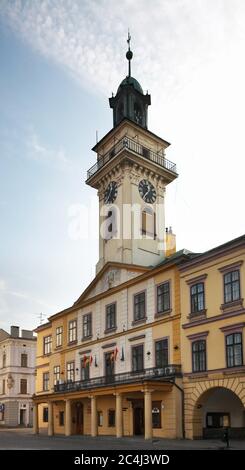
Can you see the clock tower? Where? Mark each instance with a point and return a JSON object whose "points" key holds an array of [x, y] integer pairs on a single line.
{"points": [[131, 174]]}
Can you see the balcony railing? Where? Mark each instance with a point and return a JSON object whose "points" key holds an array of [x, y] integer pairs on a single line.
{"points": [[155, 373], [138, 149]]}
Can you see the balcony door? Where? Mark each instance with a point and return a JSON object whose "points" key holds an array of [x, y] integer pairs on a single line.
{"points": [[138, 358], [109, 366]]}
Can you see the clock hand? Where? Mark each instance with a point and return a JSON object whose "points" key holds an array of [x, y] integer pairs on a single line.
{"points": [[146, 194], [148, 190], [109, 195]]}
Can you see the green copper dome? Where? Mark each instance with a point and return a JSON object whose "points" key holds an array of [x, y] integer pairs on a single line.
{"points": [[131, 81]]}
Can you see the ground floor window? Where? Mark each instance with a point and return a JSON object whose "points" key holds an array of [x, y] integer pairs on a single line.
{"points": [[45, 415], [217, 420], [1, 412], [156, 414], [61, 418], [111, 418], [100, 418]]}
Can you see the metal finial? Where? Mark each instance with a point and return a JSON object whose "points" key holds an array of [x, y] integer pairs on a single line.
{"points": [[129, 54], [128, 40]]}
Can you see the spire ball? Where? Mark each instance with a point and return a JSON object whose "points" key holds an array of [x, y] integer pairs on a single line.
{"points": [[129, 55]]}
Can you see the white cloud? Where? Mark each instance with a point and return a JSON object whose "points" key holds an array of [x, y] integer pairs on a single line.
{"points": [[190, 55], [21, 308], [6, 293], [3, 285], [170, 37], [39, 152]]}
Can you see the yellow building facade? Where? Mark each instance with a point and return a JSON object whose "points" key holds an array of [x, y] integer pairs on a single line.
{"points": [[212, 341], [124, 380]]}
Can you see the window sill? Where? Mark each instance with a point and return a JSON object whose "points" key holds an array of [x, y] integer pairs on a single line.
{"points": [[86, 338], [47, 354], [197, 375], [163, 314], [234, 369], [139, 322], [58, 347], [72, 343], [230, 306], [110, 330], [151, 235], [197, 315]]}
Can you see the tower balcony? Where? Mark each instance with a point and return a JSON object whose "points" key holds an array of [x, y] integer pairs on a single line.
{"points": [[133, 148], [159, 374]]}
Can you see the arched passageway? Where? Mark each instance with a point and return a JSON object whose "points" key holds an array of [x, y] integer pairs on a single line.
{"points": [[216, 409]]}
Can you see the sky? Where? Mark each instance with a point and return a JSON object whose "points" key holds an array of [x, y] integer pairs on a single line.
{"points": [[60, 60]]}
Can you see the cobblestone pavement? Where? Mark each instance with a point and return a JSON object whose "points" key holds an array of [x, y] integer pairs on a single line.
{"points": [[24, 439]]}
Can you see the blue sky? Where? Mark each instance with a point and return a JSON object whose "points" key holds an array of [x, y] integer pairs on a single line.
{"points": [[59, 63]]}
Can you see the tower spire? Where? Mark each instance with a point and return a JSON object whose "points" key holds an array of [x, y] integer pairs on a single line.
{"points": [[129, 54]]}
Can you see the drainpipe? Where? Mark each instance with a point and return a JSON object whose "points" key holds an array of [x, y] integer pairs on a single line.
{"points": [[182, 406]]}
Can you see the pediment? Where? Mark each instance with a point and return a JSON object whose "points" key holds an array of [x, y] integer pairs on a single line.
{"points": [[111, 275]]}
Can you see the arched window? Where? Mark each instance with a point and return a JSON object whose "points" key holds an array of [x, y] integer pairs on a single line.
{"points": [[110, 228], [138, 115], [148, 222]]}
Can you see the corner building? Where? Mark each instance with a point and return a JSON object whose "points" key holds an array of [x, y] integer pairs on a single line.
{"points": [[212, 341], [110, 364], [17, 377]]}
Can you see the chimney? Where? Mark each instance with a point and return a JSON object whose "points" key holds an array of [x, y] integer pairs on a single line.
{"points": [[15, 331], [170, 242], [27, 334]]}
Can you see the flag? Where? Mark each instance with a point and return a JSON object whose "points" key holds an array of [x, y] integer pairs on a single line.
{"points": [[87, 360], [113, 355]]}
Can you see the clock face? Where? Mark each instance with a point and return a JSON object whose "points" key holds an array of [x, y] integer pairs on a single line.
{"points": [[147, 191], [110, 193]]}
